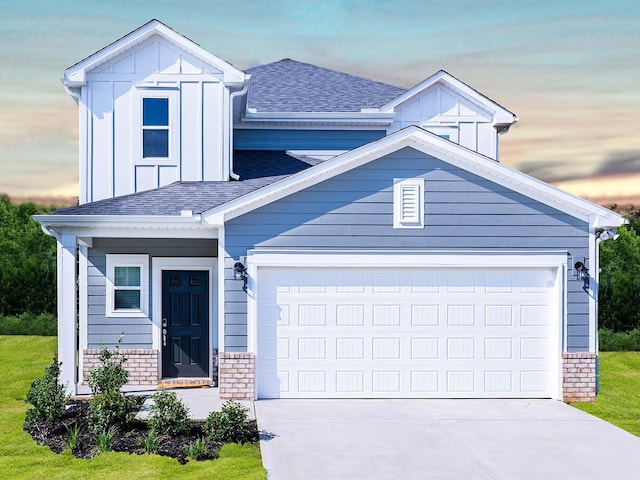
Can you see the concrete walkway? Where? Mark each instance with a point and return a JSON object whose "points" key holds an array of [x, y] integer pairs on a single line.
{"points": [[201, 402], [441, 439]]}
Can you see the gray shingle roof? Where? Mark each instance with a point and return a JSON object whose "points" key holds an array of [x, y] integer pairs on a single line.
{"points": [[264, 163], [291, 86], [256, 168]]}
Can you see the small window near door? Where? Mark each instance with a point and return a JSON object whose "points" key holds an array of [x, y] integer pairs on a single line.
{"points": [[127, 285], [155, 128]]}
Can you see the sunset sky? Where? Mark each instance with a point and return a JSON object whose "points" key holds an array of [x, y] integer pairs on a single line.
{"points": [[570, 70]]}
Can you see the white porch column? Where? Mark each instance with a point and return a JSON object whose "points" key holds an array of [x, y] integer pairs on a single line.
{"points": [[67, 311]]}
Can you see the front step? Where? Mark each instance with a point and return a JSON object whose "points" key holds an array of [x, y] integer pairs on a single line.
{"points": [[185, 383]]}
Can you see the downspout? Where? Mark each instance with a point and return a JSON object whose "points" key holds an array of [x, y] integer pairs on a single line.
{"points": [[232, 96], [596, 276], [502, 131]]}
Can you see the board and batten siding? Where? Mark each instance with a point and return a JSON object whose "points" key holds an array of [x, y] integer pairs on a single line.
{"points": [[110, 116], [262, 139], [446, 112], [355, 211], [104, 330]]}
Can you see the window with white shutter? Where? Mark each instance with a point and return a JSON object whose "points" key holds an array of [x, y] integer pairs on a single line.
{"points": [[408, 203]]}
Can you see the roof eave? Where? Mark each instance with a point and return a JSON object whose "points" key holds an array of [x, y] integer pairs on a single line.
{"points": [[501, 114], [75, 76], [422, 140], [118, 221], [324, 118]]}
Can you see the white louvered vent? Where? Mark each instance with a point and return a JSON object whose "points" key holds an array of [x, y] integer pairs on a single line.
{"points": [[408, 203]]}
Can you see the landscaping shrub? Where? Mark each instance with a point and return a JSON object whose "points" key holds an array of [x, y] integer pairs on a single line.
{"points": [[199, 450], [73, 433], [47, 396], [229, 424], [610, 341], [111, 374], [104, 442], [112, 409], [168, 414], [151, 443], [109, 407], [44, 324]]}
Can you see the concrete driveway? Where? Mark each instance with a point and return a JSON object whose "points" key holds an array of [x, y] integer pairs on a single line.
{"points": [[441, 439]]}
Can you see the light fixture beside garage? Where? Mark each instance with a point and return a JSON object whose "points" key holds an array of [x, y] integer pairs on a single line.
{"points": [[240, 273], [582, 273]]}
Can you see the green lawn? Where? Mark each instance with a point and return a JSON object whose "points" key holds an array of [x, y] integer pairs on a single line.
{"points": [[21, 360], [619, 399]]}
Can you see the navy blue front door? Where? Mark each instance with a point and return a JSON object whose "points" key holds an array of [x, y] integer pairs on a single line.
{"points": [[185, 324]]}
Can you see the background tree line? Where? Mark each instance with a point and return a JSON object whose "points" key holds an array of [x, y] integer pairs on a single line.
{"points": [[28, 270]]}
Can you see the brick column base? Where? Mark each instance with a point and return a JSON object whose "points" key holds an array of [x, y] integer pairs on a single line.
{"points": [[578, 377], [214, 367], [236, 380], [142, 365]]}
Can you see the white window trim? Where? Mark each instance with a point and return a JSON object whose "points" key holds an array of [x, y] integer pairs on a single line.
{"points": [[399, 220], [120, 260], [174, 126]]}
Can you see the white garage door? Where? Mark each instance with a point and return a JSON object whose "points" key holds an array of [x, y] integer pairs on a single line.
{"points": [[418, 332]]}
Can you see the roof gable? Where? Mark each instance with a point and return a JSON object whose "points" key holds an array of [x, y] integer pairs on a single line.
{"points": [[428, 143], [114, 53], [447, 82], [291, 86]]}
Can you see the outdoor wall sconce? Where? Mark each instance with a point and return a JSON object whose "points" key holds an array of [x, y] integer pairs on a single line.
{"points": [[240, 273], [582, 273]]}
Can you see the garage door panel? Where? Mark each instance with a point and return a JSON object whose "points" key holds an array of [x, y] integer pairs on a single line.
{"points": [[430, 334]]}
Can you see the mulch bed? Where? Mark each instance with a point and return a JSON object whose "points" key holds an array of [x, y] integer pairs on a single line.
{"points": [[128, 438]]}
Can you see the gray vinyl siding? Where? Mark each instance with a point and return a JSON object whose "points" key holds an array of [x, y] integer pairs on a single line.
{"points": [[462, 211], [262, 139], [137, 331]]}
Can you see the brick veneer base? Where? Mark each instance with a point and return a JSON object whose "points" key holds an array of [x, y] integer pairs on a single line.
{"points": [[578, 377], [214, 367], [142, 365], [237, 375]]}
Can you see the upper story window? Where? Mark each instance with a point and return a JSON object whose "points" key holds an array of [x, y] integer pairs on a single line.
{"points": [[155, 127]]}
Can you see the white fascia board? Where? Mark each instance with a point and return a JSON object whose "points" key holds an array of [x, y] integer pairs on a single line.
{"points": [[470, 259], [299, 181], [595, 215], [501, 114], [75, 76], [430, 144], [139, 226], [338, 117]]}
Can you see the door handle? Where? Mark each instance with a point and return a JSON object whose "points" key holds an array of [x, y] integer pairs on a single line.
{"points": [[164, 332]]}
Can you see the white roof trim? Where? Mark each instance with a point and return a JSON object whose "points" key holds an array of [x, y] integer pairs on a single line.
{"points": [[75, 76], [119, 221], [501, 115], [353, 117], [431, 144]]}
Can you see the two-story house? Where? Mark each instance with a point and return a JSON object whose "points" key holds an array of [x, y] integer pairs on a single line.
{"points": [[295, 231]]}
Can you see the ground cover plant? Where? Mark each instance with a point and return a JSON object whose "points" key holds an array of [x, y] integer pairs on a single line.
{"points": [[618, 400], [23, 359]]}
